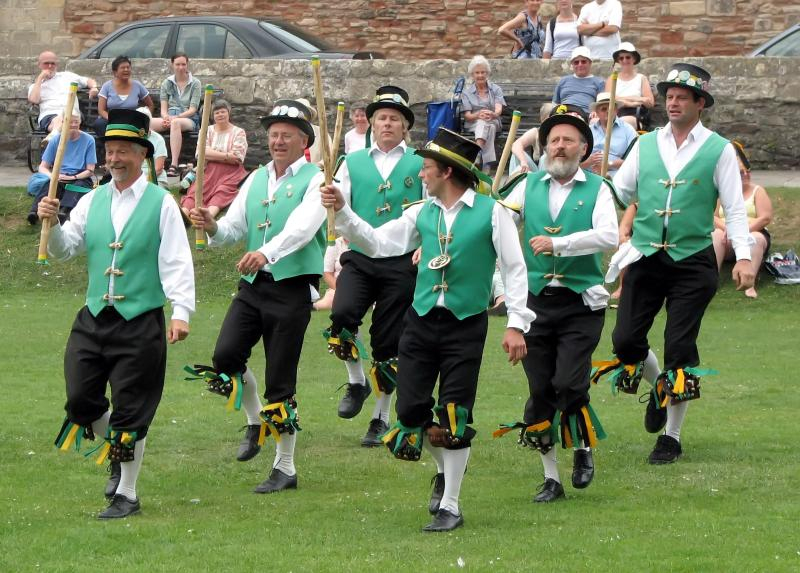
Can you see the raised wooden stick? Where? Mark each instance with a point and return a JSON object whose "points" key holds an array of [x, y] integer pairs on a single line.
{"points": [[200, 233], [612, 112], [512, 135], [56, 171], [323, 134], [337, 132]]}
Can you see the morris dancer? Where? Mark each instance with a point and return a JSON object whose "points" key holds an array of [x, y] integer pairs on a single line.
{"points": [[278, 213], [376, 182], [569, 219], [676, 174], [138, 256], [462, 234]]}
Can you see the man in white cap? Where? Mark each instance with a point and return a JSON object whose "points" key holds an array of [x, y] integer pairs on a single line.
{"points": [[622, 136], [599, 23], [580, 88]]}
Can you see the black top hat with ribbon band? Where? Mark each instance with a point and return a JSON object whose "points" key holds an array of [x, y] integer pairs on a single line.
{"points": [[292, 112], [391, 97], [454, 150], [688, 76], [570, 115], [128, 125]]}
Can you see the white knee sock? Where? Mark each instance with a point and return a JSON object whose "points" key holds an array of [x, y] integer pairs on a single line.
{"points": [[550, 465], [651, 368], [381, 409], [436, 454], [455, 464], [675, 415], [130, 472], [250, 400], [284, 454], [355, 371], [100, 426]]}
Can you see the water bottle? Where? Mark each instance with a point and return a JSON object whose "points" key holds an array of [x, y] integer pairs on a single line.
{"points": [[187, 181]]}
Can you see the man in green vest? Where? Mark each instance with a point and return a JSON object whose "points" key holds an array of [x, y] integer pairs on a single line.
{"points": [[677, 174], [278, 213], [376, 182], [461, 235], [138, 256], [568, 220]]}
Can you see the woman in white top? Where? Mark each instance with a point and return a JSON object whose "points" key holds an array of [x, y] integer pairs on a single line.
{"points": [[561, 36], [633, 89], [356, 138]]}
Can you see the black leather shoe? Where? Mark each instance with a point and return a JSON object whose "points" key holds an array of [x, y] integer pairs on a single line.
{"points": [[33, 219], [377, 428], [120, 507], [249, 447], [353, 399], [551, 490], [115, 469], [667, 450], [437, 482], [582, 469], [444, 521], [654, 418], [277, 481]]}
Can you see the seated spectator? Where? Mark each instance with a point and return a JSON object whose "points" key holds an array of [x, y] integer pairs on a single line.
{"points": [[180, 100], [521, 161], [633, 89], [159, 153], [50, 90], [561, 35], [226, 148], [482, 103], [599, 23], [526, 31], [77, 169], [121, 92], [580, 88], [622, 136], [330, 272], [759, 215], [356, 138]]}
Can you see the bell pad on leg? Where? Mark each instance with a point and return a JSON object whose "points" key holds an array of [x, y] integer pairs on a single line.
{"points": [[281, 418], [683, 384], [453, 420], [345, 345], [384, 376], [404, 442], [228, 385], [540, 437], [624, 378]]}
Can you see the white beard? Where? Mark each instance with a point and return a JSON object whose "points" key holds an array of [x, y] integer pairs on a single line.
{"points": [[561, 168]]}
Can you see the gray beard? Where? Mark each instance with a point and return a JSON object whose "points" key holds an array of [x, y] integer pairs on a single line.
{"points": [[559, 168]]}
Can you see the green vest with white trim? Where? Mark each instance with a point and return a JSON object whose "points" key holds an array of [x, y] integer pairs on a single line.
{"points": [[576, 273], [468, 276], [690, 208], [132, 258], [267, 217]]}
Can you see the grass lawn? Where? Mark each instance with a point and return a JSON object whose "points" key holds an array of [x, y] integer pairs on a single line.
{"points": [[730, 504]]}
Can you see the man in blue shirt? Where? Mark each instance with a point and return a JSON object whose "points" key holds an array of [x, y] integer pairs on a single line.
{"points": [[77, 169], [582, 87], [622, 136]]}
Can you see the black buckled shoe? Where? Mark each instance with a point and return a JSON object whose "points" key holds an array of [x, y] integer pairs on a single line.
{"points": [[377, 428], [655, 418], [115, 469], [666, 451], [551, 490], [444, 521], [120, 507], [353, 399], [277, 481], [249, 447], [582, 469], [437, 492]]}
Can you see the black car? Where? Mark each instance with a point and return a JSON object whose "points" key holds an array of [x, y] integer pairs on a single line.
{"points": [[215, 37], [784, 44]]}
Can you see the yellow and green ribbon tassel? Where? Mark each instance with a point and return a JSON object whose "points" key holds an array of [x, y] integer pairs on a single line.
{"points": [[456, 417], [484, 185], [235, 399], [594, 430], [262, 433], [358, 350], [506, 428], [70, 435], [399, 433], [614, 369], [388, 370], [278, 417]]}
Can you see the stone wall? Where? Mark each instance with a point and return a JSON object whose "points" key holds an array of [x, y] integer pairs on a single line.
{"points": [[406, 29], [756, 98]]}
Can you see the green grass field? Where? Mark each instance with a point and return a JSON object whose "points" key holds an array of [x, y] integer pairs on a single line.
{"points": [[730, 504]]}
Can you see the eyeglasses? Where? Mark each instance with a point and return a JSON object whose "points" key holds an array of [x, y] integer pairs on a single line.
{"points": [[580, 62]]}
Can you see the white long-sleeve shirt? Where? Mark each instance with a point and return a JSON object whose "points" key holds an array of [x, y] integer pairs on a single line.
{"points": [[400, 236], [174, 255], [603, 235]]}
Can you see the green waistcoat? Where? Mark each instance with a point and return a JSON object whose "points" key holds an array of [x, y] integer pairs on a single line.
{"points": [[469, 275], [266, 218], [576, 273], [137, 282], [370, 195], [691, 209]]}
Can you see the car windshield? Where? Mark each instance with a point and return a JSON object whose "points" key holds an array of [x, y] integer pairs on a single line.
{"points": [[295, 37], [787, 46]]}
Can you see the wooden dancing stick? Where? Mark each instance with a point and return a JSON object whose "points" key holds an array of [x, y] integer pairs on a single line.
{"points": [[56, 171], [337, 132], [512, 134], [612, 113], [323, 134], [200, 233]]}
